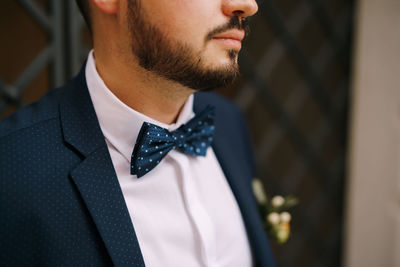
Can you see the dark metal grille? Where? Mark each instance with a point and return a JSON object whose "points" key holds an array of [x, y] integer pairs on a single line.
{"points": [[45, 38], [294, 92]]}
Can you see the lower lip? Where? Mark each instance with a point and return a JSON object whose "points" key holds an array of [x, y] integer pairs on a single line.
{"points": [[232, 43]]}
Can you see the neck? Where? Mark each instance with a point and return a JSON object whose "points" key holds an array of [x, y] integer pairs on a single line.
{"points": [[142, 90]]}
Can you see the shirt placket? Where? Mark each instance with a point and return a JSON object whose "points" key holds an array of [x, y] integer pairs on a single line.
{"points": [[197, 213]]}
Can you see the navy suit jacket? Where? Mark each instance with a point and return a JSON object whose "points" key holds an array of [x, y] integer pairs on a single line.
{"points": [[60, 200]]}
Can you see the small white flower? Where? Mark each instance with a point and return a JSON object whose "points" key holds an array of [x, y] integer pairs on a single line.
{"points": [[285, 217], [274, 218], [277, 201]]}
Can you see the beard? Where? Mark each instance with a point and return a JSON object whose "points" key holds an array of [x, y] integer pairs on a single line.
{"points": [[177, 61]]}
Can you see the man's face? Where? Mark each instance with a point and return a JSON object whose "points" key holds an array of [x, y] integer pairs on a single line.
{"points": [[192, 42]]}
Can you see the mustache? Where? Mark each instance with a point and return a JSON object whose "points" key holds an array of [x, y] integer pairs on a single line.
{"points": [[233, 23]]}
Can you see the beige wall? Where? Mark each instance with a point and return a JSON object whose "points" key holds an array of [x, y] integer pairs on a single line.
{"points": [[372, 236]]}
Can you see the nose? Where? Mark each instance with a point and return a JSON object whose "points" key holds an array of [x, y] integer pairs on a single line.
{"points": [[240, 8]]}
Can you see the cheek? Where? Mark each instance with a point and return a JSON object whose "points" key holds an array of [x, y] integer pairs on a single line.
{"points": [[196, 28], [188, 21]]}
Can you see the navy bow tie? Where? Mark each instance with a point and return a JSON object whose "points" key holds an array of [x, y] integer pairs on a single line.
{"points": [[154, 142]]}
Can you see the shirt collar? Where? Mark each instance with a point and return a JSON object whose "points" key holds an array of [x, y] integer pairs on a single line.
{"points": [[121, 124]]}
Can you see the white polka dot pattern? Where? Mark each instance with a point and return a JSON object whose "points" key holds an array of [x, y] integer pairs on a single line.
{"points": [[60, 201], [154, 142]]}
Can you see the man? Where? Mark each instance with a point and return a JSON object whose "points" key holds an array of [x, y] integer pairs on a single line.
{"points": [[125, 165]]}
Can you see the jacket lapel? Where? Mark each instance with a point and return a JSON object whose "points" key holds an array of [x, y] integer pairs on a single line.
{"points": [[238, 176], [95, 177], [98, 185]]}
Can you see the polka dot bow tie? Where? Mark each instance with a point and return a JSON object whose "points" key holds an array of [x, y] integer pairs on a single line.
{"points": [[154, 142]]}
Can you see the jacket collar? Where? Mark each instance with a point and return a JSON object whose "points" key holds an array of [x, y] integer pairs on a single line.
{"points": [[95, 177], [79, 123]]}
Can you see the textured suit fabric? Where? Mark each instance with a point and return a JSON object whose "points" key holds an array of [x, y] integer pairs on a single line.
{"points": [[60, 201]]}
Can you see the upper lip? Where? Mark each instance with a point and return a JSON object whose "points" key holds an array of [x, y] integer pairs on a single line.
{"points": [[231, 34]]}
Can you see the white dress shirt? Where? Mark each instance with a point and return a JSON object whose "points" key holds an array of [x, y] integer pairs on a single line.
{"points": [[183, 211]]}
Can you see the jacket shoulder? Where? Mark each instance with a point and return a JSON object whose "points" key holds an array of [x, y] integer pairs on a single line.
{"points": [[44, 109], [222, 104], [231, 124]]}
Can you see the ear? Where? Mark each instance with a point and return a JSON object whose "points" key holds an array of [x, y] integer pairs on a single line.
{"points": [[107, 6]]}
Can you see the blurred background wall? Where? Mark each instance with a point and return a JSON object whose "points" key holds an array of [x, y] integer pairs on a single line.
{"points": [[373, 191], [294, 91]]}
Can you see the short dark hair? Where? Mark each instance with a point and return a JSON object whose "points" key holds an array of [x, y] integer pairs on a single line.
{"points": [[84, 8]]}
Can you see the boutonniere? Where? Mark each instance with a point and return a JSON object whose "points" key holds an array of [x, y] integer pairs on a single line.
{"points": [[275, 212]]}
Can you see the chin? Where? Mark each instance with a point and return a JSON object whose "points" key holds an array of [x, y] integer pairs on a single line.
{"points": [[223, 61]]}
